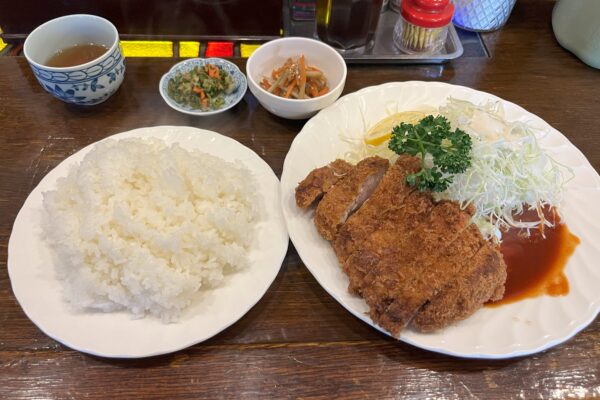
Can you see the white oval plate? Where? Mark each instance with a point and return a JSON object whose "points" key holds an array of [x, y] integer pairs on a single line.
{"points": [[117, 334], [512, 330]]}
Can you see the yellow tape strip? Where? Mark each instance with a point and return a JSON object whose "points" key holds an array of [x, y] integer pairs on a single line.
{"points": [[189, 49], [247, 49], [143, 48], [2, 44]]}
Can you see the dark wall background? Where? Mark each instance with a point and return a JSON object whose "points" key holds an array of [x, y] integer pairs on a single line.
{"points": [[152, 17]]}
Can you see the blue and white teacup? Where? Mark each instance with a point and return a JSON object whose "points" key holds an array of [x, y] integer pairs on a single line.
{"points": [[86, 84]]}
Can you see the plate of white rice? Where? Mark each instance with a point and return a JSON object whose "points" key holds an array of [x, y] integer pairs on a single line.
{"points": [[148, 242]]}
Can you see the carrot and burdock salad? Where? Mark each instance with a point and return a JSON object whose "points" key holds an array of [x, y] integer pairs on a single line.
{"points": [[296, 80]]}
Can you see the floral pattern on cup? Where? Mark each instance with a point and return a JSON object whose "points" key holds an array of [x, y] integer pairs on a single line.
{"points": [[88, 86]]}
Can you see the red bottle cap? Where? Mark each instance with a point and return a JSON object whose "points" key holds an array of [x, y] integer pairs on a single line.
{"points": [[428, 13]]}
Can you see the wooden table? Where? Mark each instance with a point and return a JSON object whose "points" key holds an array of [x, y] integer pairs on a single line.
{"points": [[297, 342]]}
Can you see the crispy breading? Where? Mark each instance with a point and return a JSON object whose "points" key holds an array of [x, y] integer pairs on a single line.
{"points": [[348, 194], [387, 200], [319, 181], [411, 258], [407, 277], [380, 235], [480, 280]]}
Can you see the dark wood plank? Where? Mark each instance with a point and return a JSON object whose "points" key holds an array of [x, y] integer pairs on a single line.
{"points": [[297, 341], [349, 370]]}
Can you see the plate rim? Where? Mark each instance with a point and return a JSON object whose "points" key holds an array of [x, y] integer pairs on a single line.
{"points": [[135, 133], [364, 318]]}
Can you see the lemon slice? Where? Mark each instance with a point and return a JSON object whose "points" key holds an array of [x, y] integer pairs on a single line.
{"points": [[382, 131]]}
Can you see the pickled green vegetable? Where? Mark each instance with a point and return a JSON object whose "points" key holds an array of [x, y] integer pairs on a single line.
{"points": [[203, 88]]}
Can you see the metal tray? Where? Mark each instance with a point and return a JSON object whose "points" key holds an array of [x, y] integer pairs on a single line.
{"points": [[384, 51]]}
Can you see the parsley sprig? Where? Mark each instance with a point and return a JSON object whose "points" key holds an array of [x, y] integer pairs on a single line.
{"points": [[450, 151]]}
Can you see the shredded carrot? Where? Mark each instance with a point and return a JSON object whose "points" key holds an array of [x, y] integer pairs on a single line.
{"points": [[265, 84], [276, 72], [289, 89], [323, 91], [312, 90], [296, 79], [201, 93], [213, 71], [302, 76]]}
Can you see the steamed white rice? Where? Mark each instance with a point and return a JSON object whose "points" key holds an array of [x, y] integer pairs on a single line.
{"points": [[145, 227]]}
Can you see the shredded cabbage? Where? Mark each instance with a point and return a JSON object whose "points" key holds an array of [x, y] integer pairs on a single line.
{"points": [[509, 172]]}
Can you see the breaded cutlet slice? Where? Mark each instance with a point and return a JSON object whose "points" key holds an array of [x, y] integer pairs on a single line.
{"points": [[348, 194], [481, 280], [319, 181], [402, 281], [385, 202], [386, 233]]}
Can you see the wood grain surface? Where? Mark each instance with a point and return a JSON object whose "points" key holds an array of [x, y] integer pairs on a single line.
{"points": [[297, 342]]}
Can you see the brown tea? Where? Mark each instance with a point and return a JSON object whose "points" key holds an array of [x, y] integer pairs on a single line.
{"points": [[76, 55]]}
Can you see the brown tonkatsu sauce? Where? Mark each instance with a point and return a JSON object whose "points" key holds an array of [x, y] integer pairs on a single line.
{"points": [[535, 263]]}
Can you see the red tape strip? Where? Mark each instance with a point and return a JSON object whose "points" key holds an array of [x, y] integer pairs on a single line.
{"points": [[219, 49]]}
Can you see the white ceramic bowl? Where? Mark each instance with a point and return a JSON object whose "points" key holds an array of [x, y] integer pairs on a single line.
{"points": [[86, 84], [274, 53]]}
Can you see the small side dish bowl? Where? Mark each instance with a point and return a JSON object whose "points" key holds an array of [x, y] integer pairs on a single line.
{"points": [[85, 84], [187, 65], [273, 54]]}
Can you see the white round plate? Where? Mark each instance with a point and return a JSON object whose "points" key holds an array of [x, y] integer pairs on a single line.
{"points": [[117, 334], [511, 330]]}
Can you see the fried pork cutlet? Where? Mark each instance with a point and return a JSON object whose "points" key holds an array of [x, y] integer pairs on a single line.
{"points": [[411, 258], [319, 181], [405, 279], [481, 280], [388, 200], [348, 194], [379, 236]]}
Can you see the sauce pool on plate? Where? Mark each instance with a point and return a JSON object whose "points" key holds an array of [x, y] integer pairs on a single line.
{"points": [[75, 55], [535, 263]]}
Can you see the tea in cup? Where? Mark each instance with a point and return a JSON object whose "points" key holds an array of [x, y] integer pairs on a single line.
{"points": [[76, 58]]}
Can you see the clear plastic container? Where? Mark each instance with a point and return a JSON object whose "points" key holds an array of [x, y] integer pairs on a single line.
{"points": [[414, 39], [423, 25]]}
